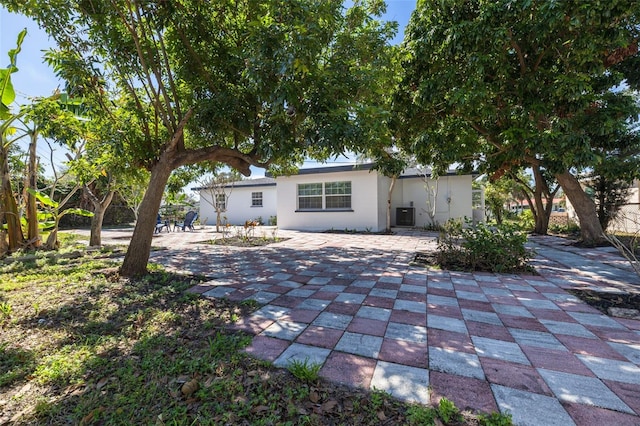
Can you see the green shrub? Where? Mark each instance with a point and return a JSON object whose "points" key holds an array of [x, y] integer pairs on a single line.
{"points": [[570, 228], [447, 410], [495, 419], [483, 248], [421, 415], [526, 220]]}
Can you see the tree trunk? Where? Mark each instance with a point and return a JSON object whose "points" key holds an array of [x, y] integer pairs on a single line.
{"points": [[4, 246], [8, 207], [137, 257], [99, 209], [52, 240], [542, 220], [33, 233], [591, 231], [542, 211], [391, 186]]}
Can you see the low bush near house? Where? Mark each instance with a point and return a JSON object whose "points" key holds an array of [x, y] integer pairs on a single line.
{"points": [[483, 248]]}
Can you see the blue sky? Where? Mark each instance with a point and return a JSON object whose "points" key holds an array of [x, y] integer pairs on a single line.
{"points": [[34, 78]]}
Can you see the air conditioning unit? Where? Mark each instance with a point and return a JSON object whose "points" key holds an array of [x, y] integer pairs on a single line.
{"points": [[405, 216]]}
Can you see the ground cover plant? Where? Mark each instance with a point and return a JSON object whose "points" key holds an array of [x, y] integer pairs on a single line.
{"points": [[246, 236], [483, 248], [81, 345]]}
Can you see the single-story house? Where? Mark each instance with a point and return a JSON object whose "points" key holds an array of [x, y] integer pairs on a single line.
{"points": [[251, 199], [352, 197]]}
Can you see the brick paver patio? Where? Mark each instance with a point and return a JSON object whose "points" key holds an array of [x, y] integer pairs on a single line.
{"points": [[353, 303]]}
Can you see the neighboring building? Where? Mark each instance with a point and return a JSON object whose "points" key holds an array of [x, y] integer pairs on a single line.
{"points": [[350, 197], [628, 219], [245, 200]]}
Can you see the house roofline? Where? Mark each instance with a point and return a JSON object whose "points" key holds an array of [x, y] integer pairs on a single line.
{"points": [[369, 166], [250, 183], [268, 180], [331, 169], [449, 173]]}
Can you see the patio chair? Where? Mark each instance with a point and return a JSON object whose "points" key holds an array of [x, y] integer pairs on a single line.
{"points": [[189, 220], [161, 224]]}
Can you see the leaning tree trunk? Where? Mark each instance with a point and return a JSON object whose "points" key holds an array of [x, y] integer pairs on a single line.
{"points": [[33, 233], [137, 257], [99, 209], [542, 218], [52, 240], [591, 231], [542, 207], [8, 207]]}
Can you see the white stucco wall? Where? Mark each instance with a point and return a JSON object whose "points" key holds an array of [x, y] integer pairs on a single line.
{"points": [[454, 199], [364, 214], [239, 208]]}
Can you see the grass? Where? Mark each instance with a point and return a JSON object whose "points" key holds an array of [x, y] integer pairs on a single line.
{"points": [[305, 370], [81, 345]]}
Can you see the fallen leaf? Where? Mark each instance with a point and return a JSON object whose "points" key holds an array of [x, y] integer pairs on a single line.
{"points": [[102, 382], [79, 391], [382, 416], [74, 390], [89, 417], [24, 412], [265, 377], [209, 381], [329, 405], [314, 397], [23, 390], [241, 398], [190, 387]]}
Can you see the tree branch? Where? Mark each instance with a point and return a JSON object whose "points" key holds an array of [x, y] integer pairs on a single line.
{"points": [[234, 158], [516, 47]]}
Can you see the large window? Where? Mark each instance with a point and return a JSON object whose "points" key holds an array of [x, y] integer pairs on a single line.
{"points": [[221, 202], [337, 195], [310, 196], [256, 199], [327, 196]]}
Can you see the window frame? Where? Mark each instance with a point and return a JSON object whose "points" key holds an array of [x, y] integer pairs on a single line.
{"points": [[311, 193], [223, 203], [257, 201], [338, 192], [318, 196]]}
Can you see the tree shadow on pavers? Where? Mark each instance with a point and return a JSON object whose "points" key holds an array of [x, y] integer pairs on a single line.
{"points": [[222, 261], [620, 304]]}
